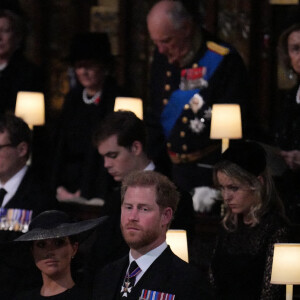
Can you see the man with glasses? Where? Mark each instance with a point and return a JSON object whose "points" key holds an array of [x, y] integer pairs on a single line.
{"points": [[22, 196]]}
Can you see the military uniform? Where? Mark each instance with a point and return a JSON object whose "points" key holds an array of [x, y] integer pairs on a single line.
{"points": [[179, 112]]}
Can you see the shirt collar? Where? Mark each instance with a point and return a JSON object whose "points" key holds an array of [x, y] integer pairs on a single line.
{"points": [[145, 261], [12, 185], [150, 167]]}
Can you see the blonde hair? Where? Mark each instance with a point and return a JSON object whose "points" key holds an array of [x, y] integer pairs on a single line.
{"points": [[266, 197]]}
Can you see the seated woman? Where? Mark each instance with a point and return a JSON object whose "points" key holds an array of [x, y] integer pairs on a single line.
{"points": [[287, 123], [54, 241], [254, 220], [77, 168]]}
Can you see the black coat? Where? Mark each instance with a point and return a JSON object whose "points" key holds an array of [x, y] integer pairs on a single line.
{"points": [[30, 195], [168, 274], [287, 137], [19, 75], [76, 163]]}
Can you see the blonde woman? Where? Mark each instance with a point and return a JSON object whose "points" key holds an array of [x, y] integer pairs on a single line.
{"points": [[254, 220]]}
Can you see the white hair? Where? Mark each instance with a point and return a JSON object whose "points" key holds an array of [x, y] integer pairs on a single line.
{"points": [[178, 14]]}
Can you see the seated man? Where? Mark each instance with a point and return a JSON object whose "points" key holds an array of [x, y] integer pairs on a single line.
{"points": [[22, 196], [121, 140], [149, 201]]}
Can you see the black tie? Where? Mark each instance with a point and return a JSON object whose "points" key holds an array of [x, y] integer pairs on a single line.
{"points": [[129, 280], [2, 194]]}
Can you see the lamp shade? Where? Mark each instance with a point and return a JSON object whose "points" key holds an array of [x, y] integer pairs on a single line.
{"points": [[284, 2], [226, 121], [30, 106], [286, 264], [177, 240], [132, 104]]}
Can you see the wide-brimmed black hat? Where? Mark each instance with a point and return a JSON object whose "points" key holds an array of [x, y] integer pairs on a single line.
{"points": [[248, 155], [55, 224], [90, 46]]}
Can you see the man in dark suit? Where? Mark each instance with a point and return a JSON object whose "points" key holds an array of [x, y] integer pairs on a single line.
{"points": [[149, 201], [121, 140], [21, 196]]}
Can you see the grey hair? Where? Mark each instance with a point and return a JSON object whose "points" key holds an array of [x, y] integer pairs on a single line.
{"points": [[178, 14]]}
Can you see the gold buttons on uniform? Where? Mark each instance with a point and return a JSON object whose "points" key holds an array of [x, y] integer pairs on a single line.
{"points": [[182, 134], [186, 106], [184, 120], [195, 66], [184, 147], [167, 87], [165, 101], [168, 73]]}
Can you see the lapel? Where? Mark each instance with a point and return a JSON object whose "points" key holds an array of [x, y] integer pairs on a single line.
{"points": [[111, 280], [156, 277]]}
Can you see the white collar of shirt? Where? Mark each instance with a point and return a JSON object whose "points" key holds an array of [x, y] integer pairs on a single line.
{"points": [[145, 261], [12, 185], [150, 167]]}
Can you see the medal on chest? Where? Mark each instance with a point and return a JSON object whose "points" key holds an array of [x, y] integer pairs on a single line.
{"points": [[193, 78]]}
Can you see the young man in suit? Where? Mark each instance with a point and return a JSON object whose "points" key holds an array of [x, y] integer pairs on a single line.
{"points": [[121, 140], [149, 201]]}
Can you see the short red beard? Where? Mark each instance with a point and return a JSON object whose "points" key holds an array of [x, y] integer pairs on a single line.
{"points": [[140, 239]]}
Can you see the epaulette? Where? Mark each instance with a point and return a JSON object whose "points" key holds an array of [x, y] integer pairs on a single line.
{"points": [[217, 48]]}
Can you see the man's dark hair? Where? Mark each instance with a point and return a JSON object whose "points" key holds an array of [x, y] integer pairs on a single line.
{"points": [[125, 125], [18, 130]]}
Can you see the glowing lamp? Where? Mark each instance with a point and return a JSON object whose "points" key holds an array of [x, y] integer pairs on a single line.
{"points": [[226, 123], [132, 104], [177, 240], [286, 266], [30, 106]]}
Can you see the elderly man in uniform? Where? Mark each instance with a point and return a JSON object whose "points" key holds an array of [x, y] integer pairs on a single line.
{"points": [[190, 71]]}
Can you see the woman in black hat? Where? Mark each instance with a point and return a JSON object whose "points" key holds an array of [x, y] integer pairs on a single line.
{"points": [[253, 221], [54, 240], [77, 164]]}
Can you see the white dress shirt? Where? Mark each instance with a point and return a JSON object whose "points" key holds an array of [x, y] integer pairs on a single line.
{"points": [[12, 185], [150, 167], [145, 261]]}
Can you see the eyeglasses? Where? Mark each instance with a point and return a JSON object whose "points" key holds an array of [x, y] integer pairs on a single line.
{"points": [[6, 145]]}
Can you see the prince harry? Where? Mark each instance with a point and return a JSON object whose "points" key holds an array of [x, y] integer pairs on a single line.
{"points": [[151, 269]]}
